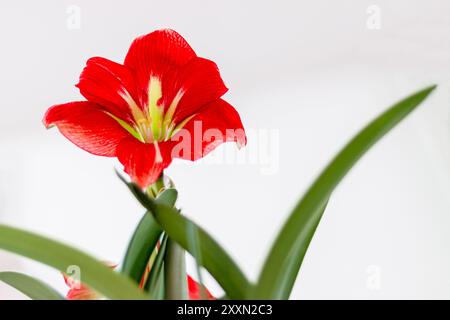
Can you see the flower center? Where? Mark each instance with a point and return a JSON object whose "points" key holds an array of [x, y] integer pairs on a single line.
{"points": [[152, 124]]}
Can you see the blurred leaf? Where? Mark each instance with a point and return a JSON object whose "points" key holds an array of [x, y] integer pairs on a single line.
{"points": [[284, 260], [168, 197], [156, 272], [158, 291], [214, 258], [197, 255], [175, 280], [93, 273], [141, 247], [33, 288], [144, 239]]}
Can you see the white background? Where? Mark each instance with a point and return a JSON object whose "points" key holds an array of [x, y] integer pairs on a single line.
{"points": [[312, 71]]}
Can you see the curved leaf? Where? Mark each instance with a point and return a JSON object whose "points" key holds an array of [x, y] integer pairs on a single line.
{"points": [[141, 247], [144, 239], [33, 288], [168, 197], [284, 260], [93, 272], [214, 258]]}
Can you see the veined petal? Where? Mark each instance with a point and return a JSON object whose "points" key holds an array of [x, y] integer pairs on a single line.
{"points": [[87, 126], [144, 162], [190, 87], [156, 53], [216, 123], [112, 86]]}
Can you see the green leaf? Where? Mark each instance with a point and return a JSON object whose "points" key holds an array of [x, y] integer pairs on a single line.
{"points": [[141, 247], [214, 258], [197, 255], [144, 239], [29, 286], [175, 283], [168, 197], [284, 260], [93, 272]]}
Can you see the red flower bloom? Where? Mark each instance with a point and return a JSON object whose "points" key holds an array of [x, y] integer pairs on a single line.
{"points": [[139, 111]]}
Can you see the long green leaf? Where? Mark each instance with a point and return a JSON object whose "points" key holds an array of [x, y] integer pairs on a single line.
{"points": [[284, 260], [93, 272], [168, 197], [141, 247], [33, 288], [196, 254], [214, 258], [144, 239]]}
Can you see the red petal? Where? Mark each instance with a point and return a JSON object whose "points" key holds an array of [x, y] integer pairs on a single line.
{"points": [[200, 82], [67, 279], [194, 290], [106, 82], [156, 53], [140, 160], [87, 126], [84, 293], [216, 123]]}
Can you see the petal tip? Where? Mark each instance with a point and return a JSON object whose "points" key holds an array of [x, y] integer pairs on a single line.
{"points": [[46, 121]]}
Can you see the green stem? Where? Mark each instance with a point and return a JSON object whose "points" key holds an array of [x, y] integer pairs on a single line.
{"points": [[175, 279], [157, 187]]}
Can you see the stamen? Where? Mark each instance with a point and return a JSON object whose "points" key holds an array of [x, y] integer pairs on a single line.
{"points": [[135, 133], [134, 108], [181, 125], [143, 126], [171, 110], [153, 124]]}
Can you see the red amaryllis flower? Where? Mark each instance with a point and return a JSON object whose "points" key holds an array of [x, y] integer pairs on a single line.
{"points": [[139, 111]]}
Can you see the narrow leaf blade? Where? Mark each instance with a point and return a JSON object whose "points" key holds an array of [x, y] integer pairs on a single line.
{"points": [[31, 287], [60, 256], [214, 258], [284, 260], [144, 240], [141, 247]]}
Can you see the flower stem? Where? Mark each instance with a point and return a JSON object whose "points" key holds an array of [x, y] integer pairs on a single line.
{"points": [[175, 279], [175, 272], [157, 187]]}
